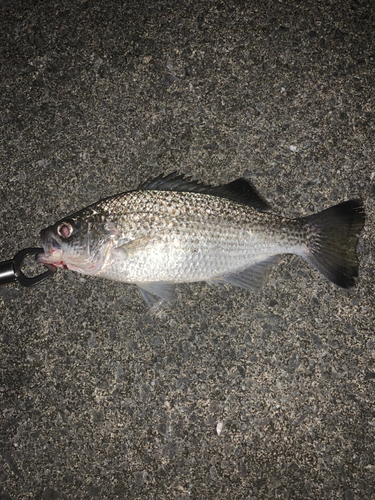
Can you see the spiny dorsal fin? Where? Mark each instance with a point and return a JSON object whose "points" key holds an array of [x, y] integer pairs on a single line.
{"points": [[174, 182], [240, 190]]}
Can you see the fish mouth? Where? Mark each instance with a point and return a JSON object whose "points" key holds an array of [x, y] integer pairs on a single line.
{"points": [[52, 249]]}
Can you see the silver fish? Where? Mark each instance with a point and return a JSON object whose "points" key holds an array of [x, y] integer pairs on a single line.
{"points": [[174, 230]]}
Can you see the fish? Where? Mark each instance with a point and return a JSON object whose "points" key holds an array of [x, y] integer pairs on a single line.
{"points": [[176, 230]]}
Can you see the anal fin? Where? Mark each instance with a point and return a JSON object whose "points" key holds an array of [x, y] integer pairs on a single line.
{"points": [[251, 278]]}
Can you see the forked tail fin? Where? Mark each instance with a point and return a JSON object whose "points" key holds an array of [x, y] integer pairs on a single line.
{"points": [[332, 241]]}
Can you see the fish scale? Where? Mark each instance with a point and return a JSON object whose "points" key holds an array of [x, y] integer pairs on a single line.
{"points": [[173, 230], [194, 237]]}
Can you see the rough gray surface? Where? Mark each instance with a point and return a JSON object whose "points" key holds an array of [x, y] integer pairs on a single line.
{"points": [[100, 398]]}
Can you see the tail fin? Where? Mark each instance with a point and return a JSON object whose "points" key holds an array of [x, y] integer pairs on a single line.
{"points": [[332, 241]]}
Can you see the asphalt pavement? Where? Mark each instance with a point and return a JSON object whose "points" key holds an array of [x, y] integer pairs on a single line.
{"points": [[225, 394]]}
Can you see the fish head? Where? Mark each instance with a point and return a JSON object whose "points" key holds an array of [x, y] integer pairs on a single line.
{"points": [[79, 243]]}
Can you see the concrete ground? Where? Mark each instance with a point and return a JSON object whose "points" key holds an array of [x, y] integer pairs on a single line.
{"points": [[101, 398]]}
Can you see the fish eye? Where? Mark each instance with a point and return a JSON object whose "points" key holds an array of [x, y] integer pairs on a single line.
{"points": [[65, 230]]}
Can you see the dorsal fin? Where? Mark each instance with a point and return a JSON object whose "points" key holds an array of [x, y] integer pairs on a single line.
{"points": [[240, 190], [174, 182]]}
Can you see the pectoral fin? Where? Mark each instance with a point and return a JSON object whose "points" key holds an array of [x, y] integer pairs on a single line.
{"points": [[133, 247]]}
